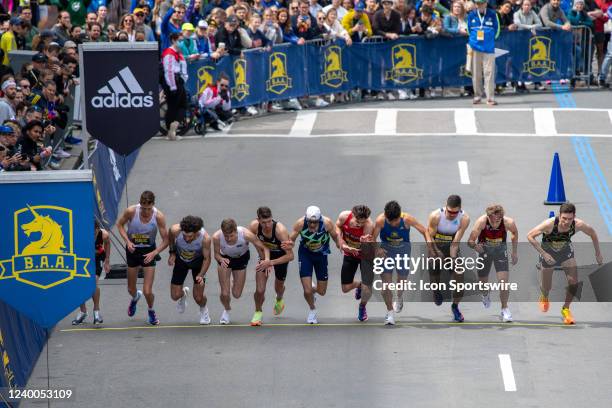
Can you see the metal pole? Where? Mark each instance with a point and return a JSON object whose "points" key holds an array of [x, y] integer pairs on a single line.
{"points": [[82, 108]]}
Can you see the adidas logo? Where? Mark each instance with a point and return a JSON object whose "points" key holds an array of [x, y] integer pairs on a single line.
{"points": [[122, 91]]}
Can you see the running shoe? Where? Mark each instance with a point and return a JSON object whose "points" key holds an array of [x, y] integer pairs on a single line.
{"points": [[363, 313], [389, 318], [279, 306], [544, 303], [398, 305], [133, 303], [180, 305], [457, 315], [506, 315], [204, 316], [486, 300], [153, 320], [358, 293], [257, 319], [98, 317], [225, 318], [79, 319], [312, 317], [438, 299], [567, 316]]}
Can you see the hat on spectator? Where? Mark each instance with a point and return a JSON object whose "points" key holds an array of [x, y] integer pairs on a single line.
{"points": [[15, 21], [231, 19], [480, 1], [6, 130], [386, 1], [202, 24], [187, 27], [54, 44], [39, 57], [138, 10], [8, 83], [359, 7], [578, 1], [46, 33], [70, 44]]}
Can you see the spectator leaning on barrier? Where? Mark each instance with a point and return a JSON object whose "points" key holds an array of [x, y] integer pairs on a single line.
{"points": [[270, 27], [188, 43], [387, 22], [29, 145], [409, 21], [578, 16], [258, 39], [356, 22], [553, 17], [455, 23], [216, 102], [201, 39], [227, 38], [483, 29], [506, 18], [526, 18], [429, 26], [302, 23], [335, 28]]}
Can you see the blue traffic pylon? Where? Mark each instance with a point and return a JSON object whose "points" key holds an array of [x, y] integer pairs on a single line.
{"points": [[556, 189]]}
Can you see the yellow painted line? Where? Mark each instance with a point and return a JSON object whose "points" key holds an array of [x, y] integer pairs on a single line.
{"points": [[406, 324]]}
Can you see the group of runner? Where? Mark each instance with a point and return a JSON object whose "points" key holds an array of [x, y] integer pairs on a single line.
{"points": [[354, 233]]}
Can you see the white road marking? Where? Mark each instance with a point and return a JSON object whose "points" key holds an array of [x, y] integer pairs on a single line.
{"points": [[325, 135], [544, 119], [386, 122], [464, 174], [610, 114], [507, 373], [465, 121], [304, 122]]}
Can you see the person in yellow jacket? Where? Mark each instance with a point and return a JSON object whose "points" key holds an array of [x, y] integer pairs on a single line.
{"points": [[357, 23], [7, 41]]}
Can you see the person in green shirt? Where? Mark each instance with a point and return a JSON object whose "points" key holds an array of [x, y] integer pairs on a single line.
{"points": [[29, 31]]}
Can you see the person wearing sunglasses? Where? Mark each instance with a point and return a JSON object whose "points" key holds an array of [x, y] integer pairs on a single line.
{"points": [[216, 104], [315, 231], [446, 227]]}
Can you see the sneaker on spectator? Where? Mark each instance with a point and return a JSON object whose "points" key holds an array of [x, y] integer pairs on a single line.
{"points": [[432, 93], [320, 103], [54, 164], [390, 96], [293, 103], [73, 140], [61, 153], [402, 95], [540, 87], [413, 95], [252, 110]]}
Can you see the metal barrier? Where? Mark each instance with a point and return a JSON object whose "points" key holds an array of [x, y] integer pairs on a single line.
{"points": [[582, 54], [374, 39]]}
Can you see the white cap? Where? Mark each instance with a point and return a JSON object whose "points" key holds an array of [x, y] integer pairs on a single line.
{"points": [[313, 213], [202, 24]]}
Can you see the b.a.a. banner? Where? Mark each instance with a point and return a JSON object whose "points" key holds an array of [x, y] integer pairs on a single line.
{"points": [[285, 72], [47, 251], [328, 68]]}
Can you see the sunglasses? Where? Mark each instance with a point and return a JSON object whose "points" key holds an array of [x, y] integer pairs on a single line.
{"points": [[139, 14], [223, 86], [294, 8], [452, 212]]}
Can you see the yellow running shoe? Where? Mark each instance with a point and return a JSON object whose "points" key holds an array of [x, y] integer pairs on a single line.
{"points": [[279, 306], [544, 303], [567, 316], [257, 319]]}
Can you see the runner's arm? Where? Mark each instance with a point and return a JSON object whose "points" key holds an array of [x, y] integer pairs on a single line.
{"points": [[217, 246], [163, 231], [465, 222], [283, 235], [432, 227], [264, 252], [107, 249], [341, 220], [378, 225], [124, 219], [297, 228], [331, 228], [206, 243], [590, 231], [545, 226], [412, 221], [511, 226], [173, 231], [478, 227]]}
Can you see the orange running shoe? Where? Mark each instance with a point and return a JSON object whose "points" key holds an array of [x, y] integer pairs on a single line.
{"points": [[544, 303], [567, 316]]}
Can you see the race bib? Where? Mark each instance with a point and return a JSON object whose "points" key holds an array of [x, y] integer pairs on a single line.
{"points": [[480, 35]]}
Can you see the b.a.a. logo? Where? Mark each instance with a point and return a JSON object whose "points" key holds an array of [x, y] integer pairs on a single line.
{"points": [[241, 88], [205, 77], [9, 374], [333, 75], [539, 62], [279, 81], [404, 62], [43, 253]]}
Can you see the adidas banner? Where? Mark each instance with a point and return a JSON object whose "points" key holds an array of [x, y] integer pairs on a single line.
{"points": [[121, 93]]}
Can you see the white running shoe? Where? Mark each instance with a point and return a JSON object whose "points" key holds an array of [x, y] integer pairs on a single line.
{"points": [[61, 153], [389, 318], [413, 96], [390, 96], [506, 316], [180, 304], [320, 103], [486, 300], [204, 316], [402, 95], [294, 104], [225, 318], [312, 317], [252, 110], [398, 305]]}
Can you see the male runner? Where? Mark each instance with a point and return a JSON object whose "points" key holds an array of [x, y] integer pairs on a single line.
{"points": [[232, 254], [102, 243], [189, 250], [393, 228], [272, 234], [557, 250], [488, 238], [315, 231], [353, 228], [143, 221], [446, 227]]}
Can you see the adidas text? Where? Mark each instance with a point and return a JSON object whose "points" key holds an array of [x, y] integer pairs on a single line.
{"points": [[122, 101]]}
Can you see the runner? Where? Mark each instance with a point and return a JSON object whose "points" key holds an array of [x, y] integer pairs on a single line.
{"points": [[232, 254], [272, 234], [446, 227], [315, 231], [189, 250], [557, 250], [488, 238], [143, 221], [353, 228], [102, 244], [393, 228]]}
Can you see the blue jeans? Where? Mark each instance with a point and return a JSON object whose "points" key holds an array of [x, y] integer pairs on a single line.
{"points": [[605, 67]]}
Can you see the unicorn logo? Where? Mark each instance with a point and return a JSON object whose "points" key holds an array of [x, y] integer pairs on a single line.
{"points": [[241, 88], [404, 62], [44, 256], [205, 77], [539, 62], [278, 81], [333, 75]]}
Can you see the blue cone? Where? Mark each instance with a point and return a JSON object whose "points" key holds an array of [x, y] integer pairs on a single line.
{"points": [[556, 190]]}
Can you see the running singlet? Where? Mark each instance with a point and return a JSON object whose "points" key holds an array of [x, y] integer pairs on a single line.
{"points": [[236, 250], [317, 241], [190, 251], [558, 240], [493, 237], [351, 235], [395, 236], [142, 235], [100, 246], [272, 243], [447, 228]]}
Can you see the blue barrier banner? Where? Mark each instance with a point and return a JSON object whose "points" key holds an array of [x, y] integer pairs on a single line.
{"points": [[289, 71], [110, 173], [47, 255]]}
